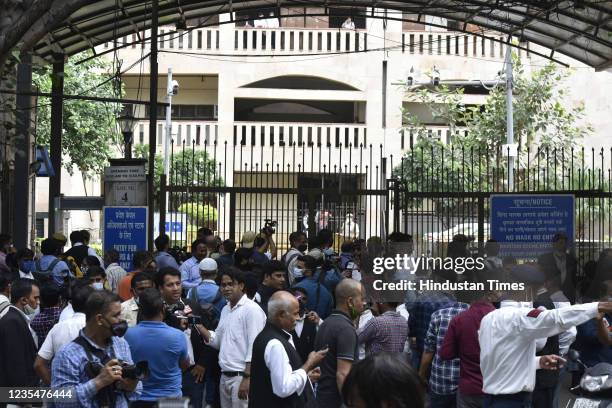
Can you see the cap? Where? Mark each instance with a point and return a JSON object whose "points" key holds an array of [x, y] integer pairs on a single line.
{"points": [[208, 264], [58, 236], [248, 239]]}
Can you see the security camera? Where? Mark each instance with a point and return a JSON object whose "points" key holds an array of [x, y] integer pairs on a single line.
{"points": [[410, 80], [174, 87]]}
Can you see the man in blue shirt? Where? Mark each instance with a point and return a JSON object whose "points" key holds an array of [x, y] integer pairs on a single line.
{"points": [[99, 342], [50, 266], [165, 362], [319, 298], [163, 259], [207, 292], [190, 274]]}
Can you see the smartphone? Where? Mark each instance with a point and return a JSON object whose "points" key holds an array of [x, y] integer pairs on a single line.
{"points": [[194, 320]]}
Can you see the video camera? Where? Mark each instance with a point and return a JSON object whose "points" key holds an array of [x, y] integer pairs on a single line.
{"points": [[269, 227]]}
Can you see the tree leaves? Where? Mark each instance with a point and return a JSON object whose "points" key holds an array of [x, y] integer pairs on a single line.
{"points": [[89, 134]]}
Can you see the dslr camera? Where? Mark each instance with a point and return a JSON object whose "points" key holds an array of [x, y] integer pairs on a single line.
{"points": [[269, 227], [136, 371]]}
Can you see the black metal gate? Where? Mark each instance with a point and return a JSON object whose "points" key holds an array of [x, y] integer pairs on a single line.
{"points": [[438, 194], [233, 188]]}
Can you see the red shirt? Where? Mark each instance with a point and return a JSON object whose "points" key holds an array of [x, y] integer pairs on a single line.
{"points": [[461, 341]]}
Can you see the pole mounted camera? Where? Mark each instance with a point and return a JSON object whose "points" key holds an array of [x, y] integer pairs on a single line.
{"points": [[173, 89]]}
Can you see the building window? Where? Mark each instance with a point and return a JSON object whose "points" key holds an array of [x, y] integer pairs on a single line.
{"points": [[207, 135], [141, 133], [198, 129], [188, 134], [179, 136], [187, 112], [160, 134]]}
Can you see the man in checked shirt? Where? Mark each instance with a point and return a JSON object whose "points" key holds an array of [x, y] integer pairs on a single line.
{"points": [[444, 377]]}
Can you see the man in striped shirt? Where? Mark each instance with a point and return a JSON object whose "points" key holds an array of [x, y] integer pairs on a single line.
{"points": [[386, 332]]}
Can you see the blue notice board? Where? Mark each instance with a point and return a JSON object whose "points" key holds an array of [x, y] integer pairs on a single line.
{"points": [[125, 230], [525, 224]]}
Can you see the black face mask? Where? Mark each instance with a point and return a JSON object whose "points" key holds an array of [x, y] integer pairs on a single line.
{"points": [[119, 329], [302, 247]]}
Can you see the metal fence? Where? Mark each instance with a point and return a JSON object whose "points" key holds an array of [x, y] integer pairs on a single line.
{"points": [[304, 186], [358, 192], [444, 190]]}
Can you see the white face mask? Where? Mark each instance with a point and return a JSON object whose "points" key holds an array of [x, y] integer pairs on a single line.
{"points": [[30, 311], [298, 272], [97, 285]]}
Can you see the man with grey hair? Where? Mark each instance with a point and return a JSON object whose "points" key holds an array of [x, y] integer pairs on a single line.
{"points": [[279, 379]]}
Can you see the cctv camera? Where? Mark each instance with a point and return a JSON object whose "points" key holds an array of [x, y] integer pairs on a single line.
{"points": [[410, 81], [174, 87], [436, 81]]}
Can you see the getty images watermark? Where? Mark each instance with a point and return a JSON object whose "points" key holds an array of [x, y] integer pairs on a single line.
{"points": [[459, 265]]}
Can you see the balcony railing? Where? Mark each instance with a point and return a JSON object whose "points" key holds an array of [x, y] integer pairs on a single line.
{"points": [[292, 40], [201, 39], [455, 44]]}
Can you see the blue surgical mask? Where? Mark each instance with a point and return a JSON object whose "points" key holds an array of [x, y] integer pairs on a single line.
{"points": [[97, 285], [26, 266], [328, 251]]}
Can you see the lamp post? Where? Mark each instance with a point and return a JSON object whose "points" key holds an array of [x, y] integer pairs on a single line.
{"points": [[126, 123]]}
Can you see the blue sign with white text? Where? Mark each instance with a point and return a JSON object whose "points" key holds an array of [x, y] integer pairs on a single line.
{"points": [[125, 230], [524, 225]]}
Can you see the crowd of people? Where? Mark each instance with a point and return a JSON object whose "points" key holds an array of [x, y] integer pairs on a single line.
{"points": [[242, 324]]}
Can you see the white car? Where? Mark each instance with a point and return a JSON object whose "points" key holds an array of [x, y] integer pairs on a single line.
{"points": [[468, 229]]}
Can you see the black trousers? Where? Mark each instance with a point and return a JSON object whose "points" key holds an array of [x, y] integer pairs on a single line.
{"points": [[543, 397]]}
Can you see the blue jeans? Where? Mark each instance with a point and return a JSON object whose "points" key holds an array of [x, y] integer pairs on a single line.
{"points": [[193, 390], [442, 400], [520, 400], [416, 358]]}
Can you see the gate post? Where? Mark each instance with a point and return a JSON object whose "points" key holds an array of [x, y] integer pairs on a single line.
{"points": [[481, 220], [396, 206], [312, 225], [162, 204], [232, 216]]}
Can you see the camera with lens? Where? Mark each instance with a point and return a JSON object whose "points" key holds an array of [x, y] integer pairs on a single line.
{"points": [[136, 371], [269, 227]]}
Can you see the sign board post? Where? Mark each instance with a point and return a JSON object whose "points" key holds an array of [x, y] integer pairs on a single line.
{"points": [[125, 183], [125, 230], [524, 224]]}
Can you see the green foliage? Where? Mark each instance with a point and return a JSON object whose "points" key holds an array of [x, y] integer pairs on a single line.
{"points": [[198, 214], [544, 127], [89, 128], [189, 167]]}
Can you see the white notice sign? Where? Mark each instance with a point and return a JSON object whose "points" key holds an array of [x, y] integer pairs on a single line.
{"points": [[125, 173]]}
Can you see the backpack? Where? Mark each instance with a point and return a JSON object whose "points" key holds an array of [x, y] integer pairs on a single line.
{"points": [[44, 275], [210, 317], [72, 265]]}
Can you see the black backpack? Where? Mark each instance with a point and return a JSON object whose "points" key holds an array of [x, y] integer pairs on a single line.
{"points": [[210, 317]]}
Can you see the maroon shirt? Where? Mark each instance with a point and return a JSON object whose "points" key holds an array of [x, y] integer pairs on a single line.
{"points": [[461, 341]]}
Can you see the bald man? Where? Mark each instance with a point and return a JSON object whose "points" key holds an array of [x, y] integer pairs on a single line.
{"points": [[338, 334], [278, 377]]}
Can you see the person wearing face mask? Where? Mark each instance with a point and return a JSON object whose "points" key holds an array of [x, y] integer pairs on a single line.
{"points": [[306, 325], [299, 245], [339, 335], [320, 299], [130, 308], [24, 260], [96, 277], [50, 309], [18, 341], [100, 343], [63, 332]]}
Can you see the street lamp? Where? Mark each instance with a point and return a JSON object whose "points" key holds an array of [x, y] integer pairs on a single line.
{"points": [[126, 124]]}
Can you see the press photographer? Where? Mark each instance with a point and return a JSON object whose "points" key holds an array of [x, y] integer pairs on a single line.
{"points": [[183, 314], [98, 364]]}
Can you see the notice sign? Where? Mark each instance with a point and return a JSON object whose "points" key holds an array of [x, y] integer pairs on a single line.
{"points": [[125, 230], [524, 224], [125, 173]]}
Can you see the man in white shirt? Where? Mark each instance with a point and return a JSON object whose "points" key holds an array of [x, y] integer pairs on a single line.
{"points": [[129, 308], [241, 321], [507, 339], [62, 333], [279, 377]]}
